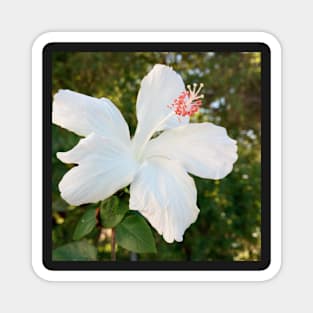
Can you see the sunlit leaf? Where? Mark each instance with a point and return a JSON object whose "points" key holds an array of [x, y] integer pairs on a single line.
{"points": [[112, 212], [134, 234], [86, 224]]}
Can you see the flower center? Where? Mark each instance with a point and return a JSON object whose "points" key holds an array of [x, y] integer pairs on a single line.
{"points": [[188, 102]]}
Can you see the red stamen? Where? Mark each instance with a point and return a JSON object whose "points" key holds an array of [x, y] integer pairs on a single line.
{"points": [[188, 102]]}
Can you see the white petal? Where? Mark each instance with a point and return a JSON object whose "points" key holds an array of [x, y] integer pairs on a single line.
{"points": [[104, 166], [158, 90], [204, 149], [166, 195], [84, 115]]}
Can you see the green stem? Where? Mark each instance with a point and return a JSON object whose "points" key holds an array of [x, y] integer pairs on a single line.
{"points": [[113, 252]]}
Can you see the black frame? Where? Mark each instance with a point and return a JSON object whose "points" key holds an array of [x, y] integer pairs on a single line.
{"points": [[265, 156]]}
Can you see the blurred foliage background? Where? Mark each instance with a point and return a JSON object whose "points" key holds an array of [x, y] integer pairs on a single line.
{"points": [[228, 226]]}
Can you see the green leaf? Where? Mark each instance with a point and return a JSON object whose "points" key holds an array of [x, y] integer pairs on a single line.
{"points": [[112, 212], [86, 224], [134, 234], [75, 251]]}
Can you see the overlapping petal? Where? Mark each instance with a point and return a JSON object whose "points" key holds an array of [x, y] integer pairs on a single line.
{"points": [[158, 90], [204, 149], [166, 195], [84, 115], [104, 166]]}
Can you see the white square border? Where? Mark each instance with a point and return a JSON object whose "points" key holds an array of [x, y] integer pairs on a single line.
{"points": [[159, 275]]}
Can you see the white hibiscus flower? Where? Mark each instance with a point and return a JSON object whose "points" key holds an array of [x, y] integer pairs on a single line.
{"points": [[109, 159]]}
